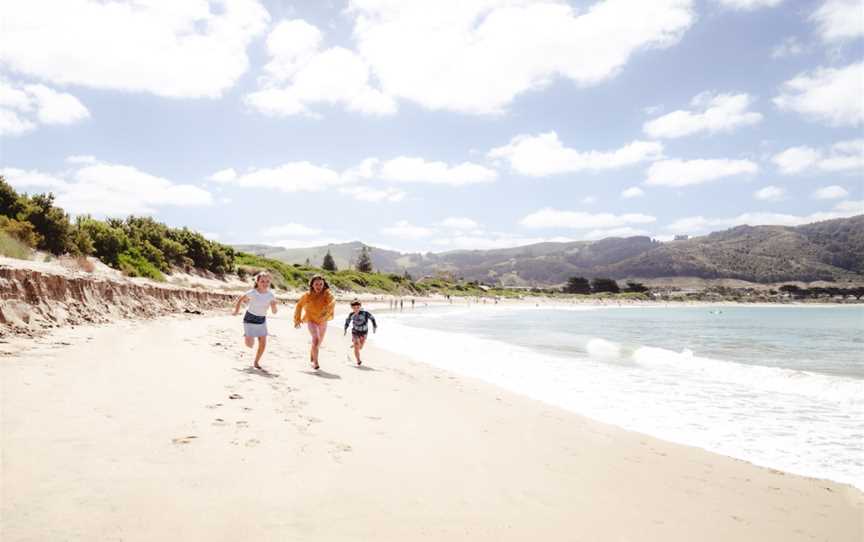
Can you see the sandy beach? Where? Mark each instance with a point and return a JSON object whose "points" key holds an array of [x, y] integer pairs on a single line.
{"points": [[158, 429]]}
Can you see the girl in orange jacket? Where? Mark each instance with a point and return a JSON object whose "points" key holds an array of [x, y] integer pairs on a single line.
{"points": [[315, 308]]}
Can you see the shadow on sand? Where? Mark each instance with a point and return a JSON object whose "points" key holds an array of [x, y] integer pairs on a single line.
{"points": [[257, 372], [322, 374]]}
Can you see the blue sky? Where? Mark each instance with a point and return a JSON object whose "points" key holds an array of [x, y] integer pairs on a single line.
{"points": [[437, 126]]}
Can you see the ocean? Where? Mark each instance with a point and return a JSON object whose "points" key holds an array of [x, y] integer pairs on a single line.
{"points": [[779, 386]]}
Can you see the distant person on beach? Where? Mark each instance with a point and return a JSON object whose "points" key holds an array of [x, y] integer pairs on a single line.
{"points": [[315, 309], [359, 320], [260, 298]]}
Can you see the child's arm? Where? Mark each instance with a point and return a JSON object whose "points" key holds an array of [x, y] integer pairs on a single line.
{"points": [[374, 323], [347, 321], [273, 306], [241, 299], [299, 309]]}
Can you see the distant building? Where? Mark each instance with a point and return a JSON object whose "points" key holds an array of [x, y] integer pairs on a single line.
{"points": [[682, 237]]}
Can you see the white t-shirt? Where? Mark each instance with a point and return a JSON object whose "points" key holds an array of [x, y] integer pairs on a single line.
{"points": [[258, 302]]}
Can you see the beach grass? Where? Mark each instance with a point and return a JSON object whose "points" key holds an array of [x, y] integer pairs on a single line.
{"points": [[13, 248]]}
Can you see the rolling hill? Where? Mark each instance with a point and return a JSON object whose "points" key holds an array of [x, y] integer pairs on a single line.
{"points": [[832, 250]]}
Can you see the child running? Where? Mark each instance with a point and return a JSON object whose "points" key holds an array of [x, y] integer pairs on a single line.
{"points": [[359, 320], [260, 298], [318, 303]]}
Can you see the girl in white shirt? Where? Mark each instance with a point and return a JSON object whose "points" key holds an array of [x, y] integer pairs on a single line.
{"points": [[260, 298]]}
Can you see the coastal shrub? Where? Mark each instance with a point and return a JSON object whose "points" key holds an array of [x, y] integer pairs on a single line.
{"points": [[133, 264], [24, 232], [12, 247], [50, 222], [107, 241], [11, 203]]}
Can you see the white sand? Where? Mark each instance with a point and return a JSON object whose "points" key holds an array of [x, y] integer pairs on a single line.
{"points": [[128, 432]]}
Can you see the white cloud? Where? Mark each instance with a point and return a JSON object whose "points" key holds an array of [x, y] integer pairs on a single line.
{"points": [[26, 180], [367, 193], [464, 56], [289, 177], [544, 154], [770, 193], [460, 223], [841, 156], [173, 49], [81, 159], [223, 175], [845, 156], [853, 207], [839, 20], [748, 5], [105, 189], [714, 113], [577, 220], [307, 177], [405, 230], [789, 47], [493, 241], [589, 200], [796, 159], [292, 228], [24, 107], [828, 95], [408, 169], [13, 124], [306, 243], [831, 192], [632, 192], [301, 74], [700, 224], [679, 173]]}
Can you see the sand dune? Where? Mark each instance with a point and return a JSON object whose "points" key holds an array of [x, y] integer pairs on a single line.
{"points": [[159, 430]]}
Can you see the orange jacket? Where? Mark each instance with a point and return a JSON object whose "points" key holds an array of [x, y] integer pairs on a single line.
{"points": [[319, 308]]}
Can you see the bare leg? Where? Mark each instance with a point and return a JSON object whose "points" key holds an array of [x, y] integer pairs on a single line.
{"points": [[262, 344], [315, 331], [249, 341], [316, 344], [359, 342]]}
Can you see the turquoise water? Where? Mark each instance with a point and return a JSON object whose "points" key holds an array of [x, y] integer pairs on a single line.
{"points": [[779, 386]]}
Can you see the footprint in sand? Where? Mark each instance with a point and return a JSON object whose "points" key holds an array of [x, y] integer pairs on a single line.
{"points": [[219, 422], [184, 440], [235, 396], [242, 424], [215, 405], [247, 409], [252, 442]]}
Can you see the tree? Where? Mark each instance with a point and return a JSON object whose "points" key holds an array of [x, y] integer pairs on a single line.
{"points": [[11, 204], [577, 285], [600, 285], [791, 289], [107, 242], [364, 261], [636, 287], [50, 222], [328, 264]]}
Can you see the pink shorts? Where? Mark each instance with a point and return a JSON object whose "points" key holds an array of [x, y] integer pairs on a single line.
{"points": [[317, 330]]}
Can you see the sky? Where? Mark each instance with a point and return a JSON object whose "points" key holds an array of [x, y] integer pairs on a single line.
{"points": [[434, 126]]}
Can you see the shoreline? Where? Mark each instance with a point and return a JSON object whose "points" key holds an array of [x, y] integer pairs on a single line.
{"points": [[329, 456]]}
